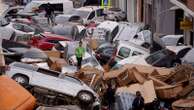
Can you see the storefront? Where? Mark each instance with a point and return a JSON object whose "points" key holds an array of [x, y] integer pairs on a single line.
{"points": [[188, 22]]}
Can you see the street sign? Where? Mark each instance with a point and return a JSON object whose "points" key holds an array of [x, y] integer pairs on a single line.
{"points": [[186, 24], [106, 3]]}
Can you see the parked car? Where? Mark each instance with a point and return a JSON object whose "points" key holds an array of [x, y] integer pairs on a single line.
{"points": [[67, 29], [115, 14], [61, 19], [173, 40], [133, 32], [15, 97], [46, 41], [27, 74], [162, 58], [89, 13], [122, 50], [11, 12], [21, 32]]}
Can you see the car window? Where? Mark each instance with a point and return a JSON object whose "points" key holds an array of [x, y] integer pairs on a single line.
{"points": [[100, 12], [92, 15], [114, 32], [28, 29], [136, 53], [18, 27], [155, 57], [124, 52], [183, 52], [48, 72], [53, 41]]}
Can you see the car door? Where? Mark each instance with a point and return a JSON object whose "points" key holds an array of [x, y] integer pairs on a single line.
{"points": [[42, 78], [70, 86]]}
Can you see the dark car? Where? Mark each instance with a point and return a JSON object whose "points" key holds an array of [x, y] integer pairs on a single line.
{"points": [[162, 58], [105, 54]]}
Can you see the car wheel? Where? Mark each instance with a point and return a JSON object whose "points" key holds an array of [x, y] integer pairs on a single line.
{"points": [[21, 79], [85, 97], [176, 63]]}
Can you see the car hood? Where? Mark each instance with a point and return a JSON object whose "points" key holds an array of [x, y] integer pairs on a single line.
{"points": [[140, 60]]}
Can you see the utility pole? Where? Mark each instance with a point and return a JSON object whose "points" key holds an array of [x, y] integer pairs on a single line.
{"points": [[153, 26]]}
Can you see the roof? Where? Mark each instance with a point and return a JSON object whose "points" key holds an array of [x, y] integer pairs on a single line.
{"points": [[176, 49], [110, 25], [25, 66], [127, 43], [88, 8]]}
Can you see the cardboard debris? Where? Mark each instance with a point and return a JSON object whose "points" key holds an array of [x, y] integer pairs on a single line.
{"points": [[56, 54], [91, 76], [93, 44], [120, 76], [147, 90], [56, 63], [184, 104]]}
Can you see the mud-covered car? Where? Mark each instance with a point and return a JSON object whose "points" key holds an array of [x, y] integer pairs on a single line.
{"points": [[34, 76]]}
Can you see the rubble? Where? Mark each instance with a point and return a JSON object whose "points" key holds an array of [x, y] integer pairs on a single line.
{"points": [[184, 104], [47, 69]]}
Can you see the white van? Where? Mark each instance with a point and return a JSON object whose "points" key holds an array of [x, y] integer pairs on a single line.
{"points": [[61, 6]]}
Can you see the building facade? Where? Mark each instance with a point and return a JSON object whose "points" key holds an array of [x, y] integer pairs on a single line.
{"points": [[188, 22]]}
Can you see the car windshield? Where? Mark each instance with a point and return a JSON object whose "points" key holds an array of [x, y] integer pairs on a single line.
{"points": [[83, 14], [156, 56], [91, 60]]}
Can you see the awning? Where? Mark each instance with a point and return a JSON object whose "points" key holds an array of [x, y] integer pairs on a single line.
{"points": [[182, 6]]}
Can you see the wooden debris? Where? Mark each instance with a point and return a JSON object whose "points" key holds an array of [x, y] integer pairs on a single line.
{"points": [[147, 90], [184, 104]]}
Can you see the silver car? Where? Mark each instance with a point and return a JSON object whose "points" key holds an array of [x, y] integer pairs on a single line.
{"points": [[27, 74]]}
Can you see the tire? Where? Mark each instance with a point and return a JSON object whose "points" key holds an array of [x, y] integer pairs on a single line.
{"points": [[21, 79], [85, 97], [176, 63]]}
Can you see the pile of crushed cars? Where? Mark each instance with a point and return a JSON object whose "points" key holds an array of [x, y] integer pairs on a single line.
{"points": [[41, 59]]}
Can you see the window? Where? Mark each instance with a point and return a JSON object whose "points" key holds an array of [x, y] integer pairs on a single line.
{"points": [[28, 29], [136, 53], [53, 41], [18, 27], [155, 57], [92, 15], [23, 28], [114, 32], [124, 52]]}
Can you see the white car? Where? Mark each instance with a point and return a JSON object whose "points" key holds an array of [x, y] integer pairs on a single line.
{"points": [[89, 13], [27, 74], [173, 40], [60, 6], [162, 58], [22, 31]]}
